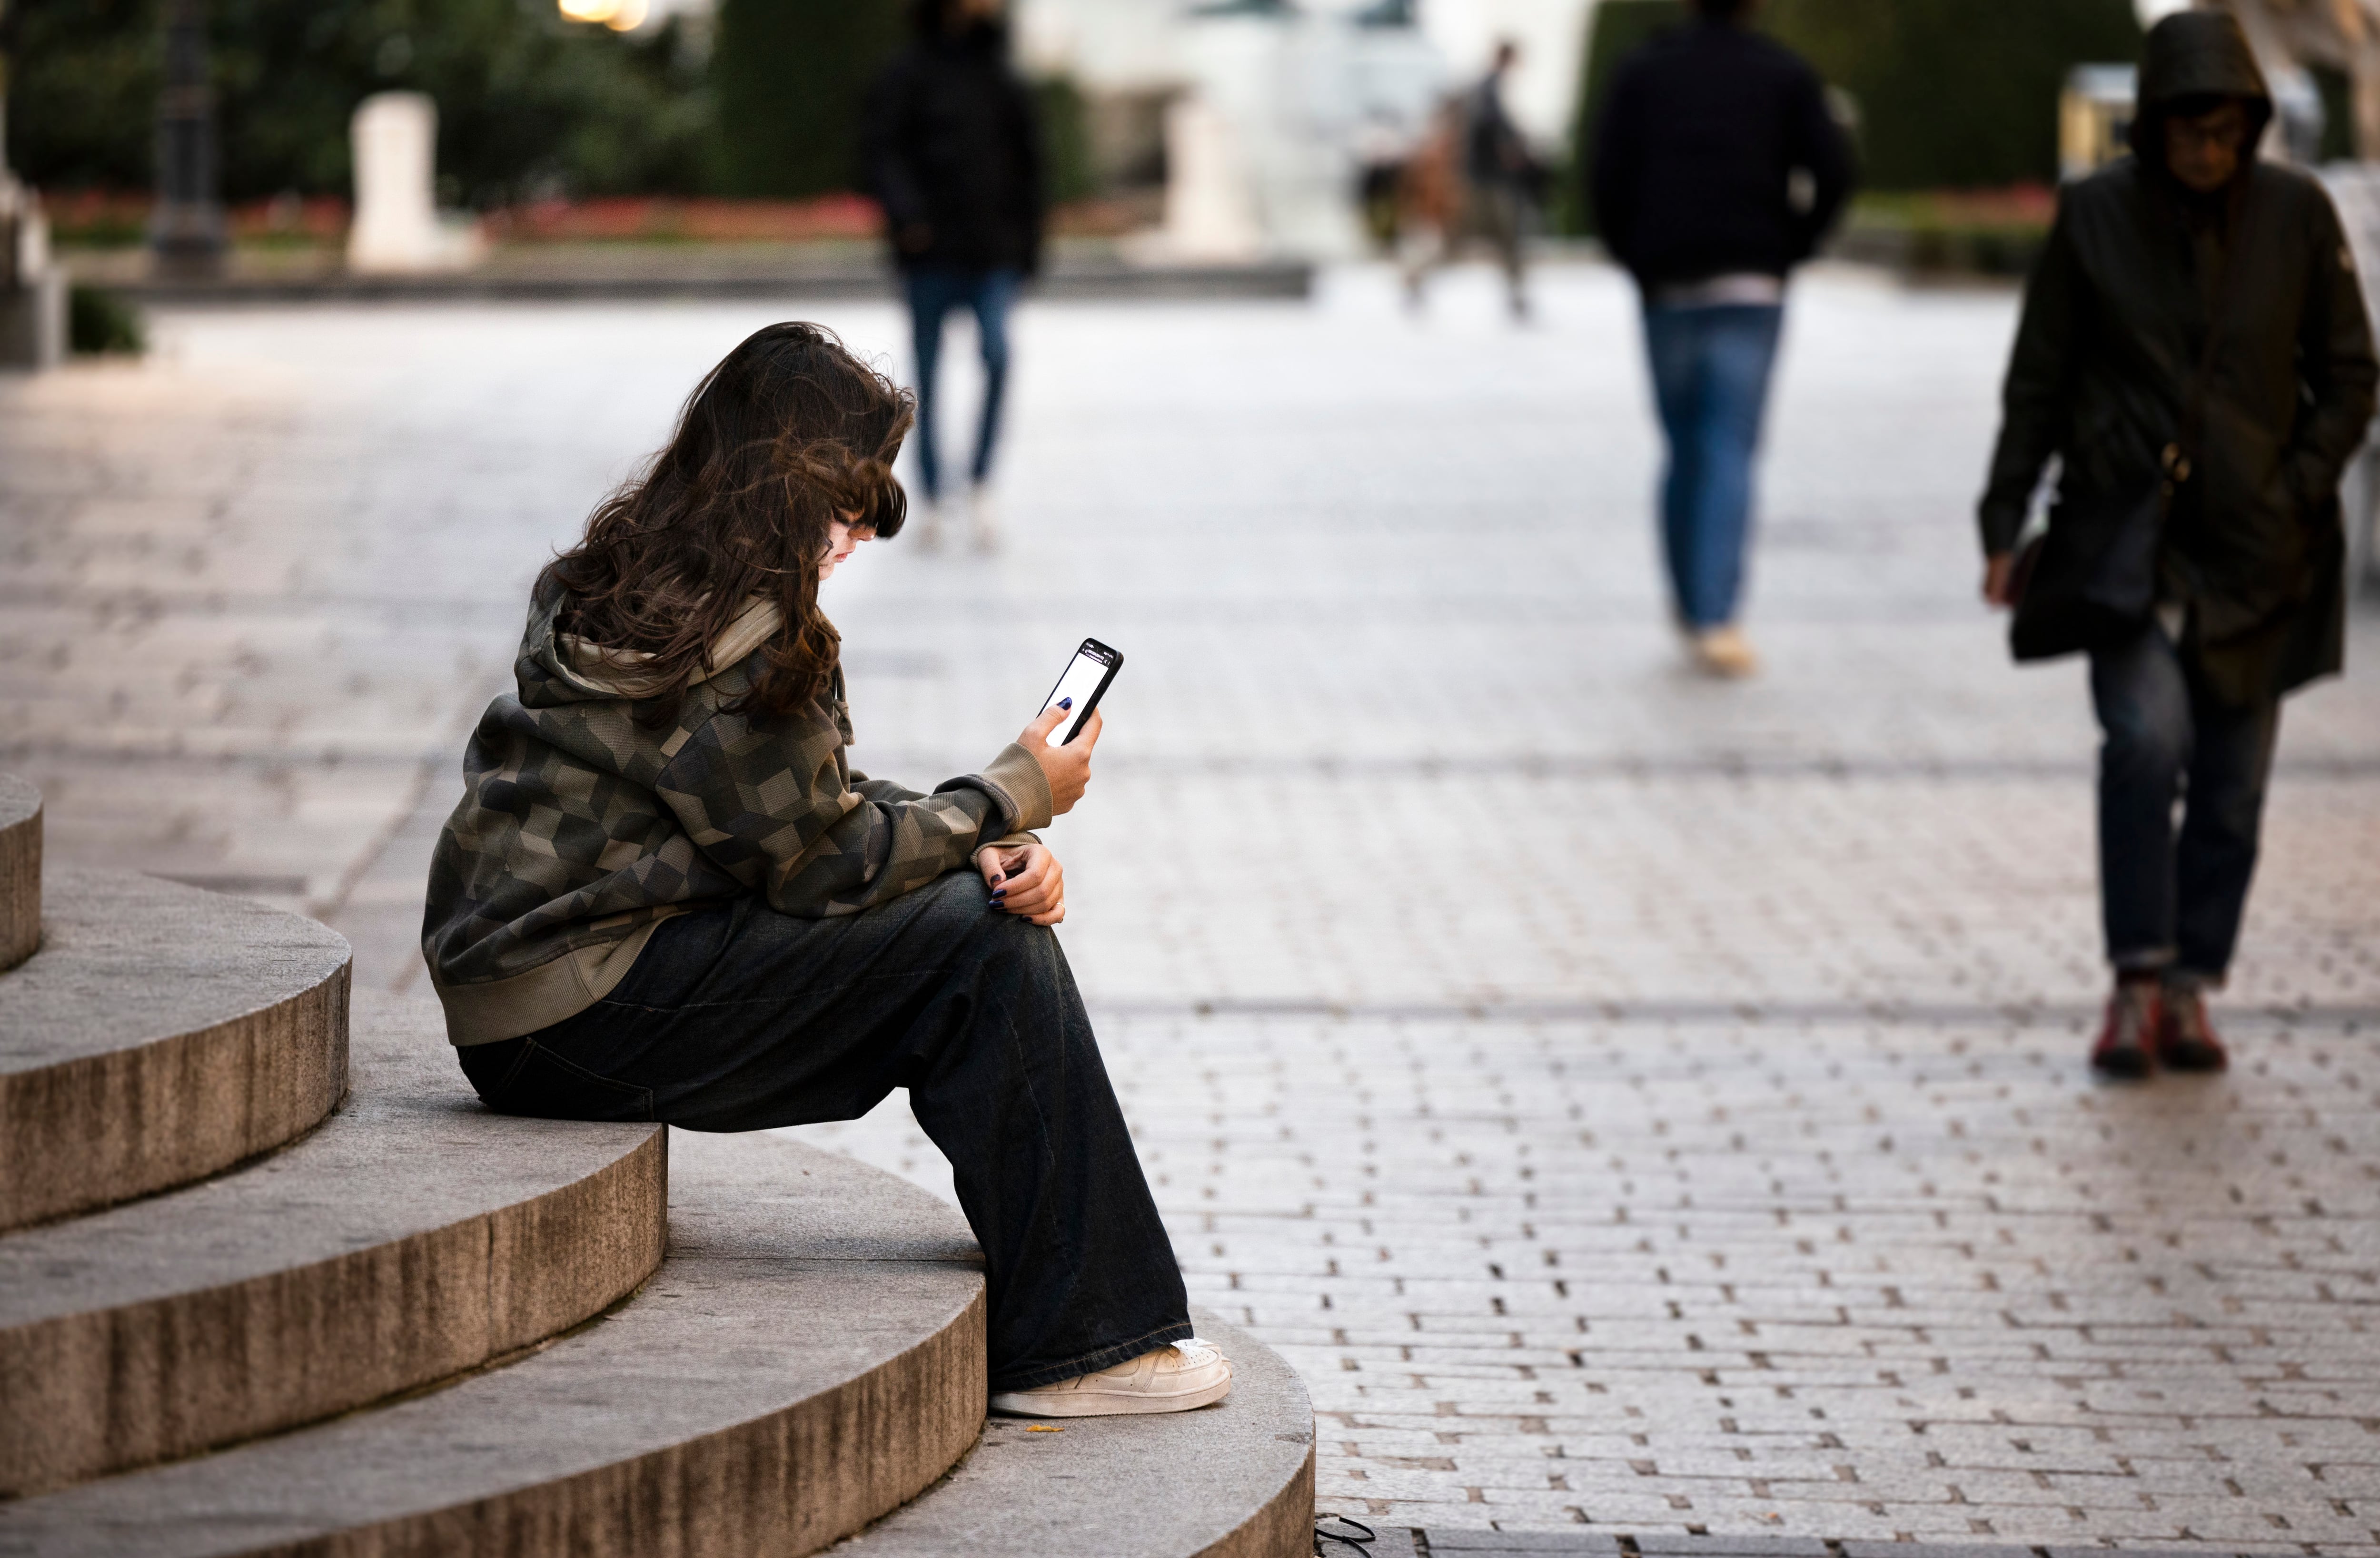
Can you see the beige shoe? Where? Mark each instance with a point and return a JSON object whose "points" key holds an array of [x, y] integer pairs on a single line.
{"points": [[983, 517], [1724, 651], [925, 519], [1171, 1379]]}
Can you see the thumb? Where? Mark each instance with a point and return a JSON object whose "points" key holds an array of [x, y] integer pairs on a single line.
{"points": [[1049, 718]]}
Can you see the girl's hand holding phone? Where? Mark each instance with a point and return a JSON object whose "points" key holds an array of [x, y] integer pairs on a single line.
{"points": [[1024, 880], [1067, 767]]}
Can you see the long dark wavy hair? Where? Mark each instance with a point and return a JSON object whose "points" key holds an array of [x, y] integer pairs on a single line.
{"points": [[789, 430]]}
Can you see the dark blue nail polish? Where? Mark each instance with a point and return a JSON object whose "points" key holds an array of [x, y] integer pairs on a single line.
{"points": [[1065, 703]]}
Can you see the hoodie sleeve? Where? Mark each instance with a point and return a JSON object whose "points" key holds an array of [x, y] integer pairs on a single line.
{"points": [[1614, 171], [2334, 356], [885, 164], [774, 805], [1820, 146], [2034, 397]]}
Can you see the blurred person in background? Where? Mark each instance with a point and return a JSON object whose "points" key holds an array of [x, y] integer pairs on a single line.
{"points": [[1504, 175], [1717, 169], [2194, 353], [953, 152], [1429, 195]]}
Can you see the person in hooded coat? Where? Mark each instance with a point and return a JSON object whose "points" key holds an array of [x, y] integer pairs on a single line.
{"points": [[952, 149], [2195, 354]]}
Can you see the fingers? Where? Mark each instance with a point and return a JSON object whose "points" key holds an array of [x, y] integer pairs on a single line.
{"points": [[1036, 890], [1090, 736]]}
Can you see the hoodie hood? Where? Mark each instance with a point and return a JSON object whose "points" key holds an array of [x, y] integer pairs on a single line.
{"points": [[561, 667], [2196, 55]]}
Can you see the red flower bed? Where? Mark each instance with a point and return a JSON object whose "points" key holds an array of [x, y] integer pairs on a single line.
{"points": [[651, 218]]}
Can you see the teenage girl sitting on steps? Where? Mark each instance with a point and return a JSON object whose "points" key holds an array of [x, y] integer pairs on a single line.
{"points": [[666, 896]]}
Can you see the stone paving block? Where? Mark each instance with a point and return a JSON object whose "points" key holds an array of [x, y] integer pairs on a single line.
{"points": [[1498, 1543]]}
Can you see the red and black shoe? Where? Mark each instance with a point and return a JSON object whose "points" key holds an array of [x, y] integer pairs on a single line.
{"points": [[2135, 1017], [2185, 1039]]}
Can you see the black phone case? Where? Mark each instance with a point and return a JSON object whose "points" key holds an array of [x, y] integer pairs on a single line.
{"points": [[1115, 663]]}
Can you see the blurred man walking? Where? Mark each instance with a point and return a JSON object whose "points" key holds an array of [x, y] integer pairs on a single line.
{"points": [[954, 154], [2195, 352], [1503, 176], [1717, 169]]}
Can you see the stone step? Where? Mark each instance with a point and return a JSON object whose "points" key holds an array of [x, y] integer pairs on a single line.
{"points": [[412, 1237], [159, 1035], [810, 1356], [20, 870], [1233, 1480]]}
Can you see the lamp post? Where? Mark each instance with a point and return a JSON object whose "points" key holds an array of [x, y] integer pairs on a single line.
{"points": [[186, 230]]}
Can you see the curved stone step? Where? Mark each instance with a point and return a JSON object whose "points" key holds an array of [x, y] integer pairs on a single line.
{"points": [[159, 1035], [413, 1237], [810, 1356], [20, 870], [1233, 1481]]}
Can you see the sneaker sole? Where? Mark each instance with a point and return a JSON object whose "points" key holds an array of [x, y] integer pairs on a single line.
{"points": [[1108, 1404]]}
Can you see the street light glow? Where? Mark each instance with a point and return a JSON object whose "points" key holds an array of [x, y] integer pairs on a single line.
{"points": [[620, 15]]}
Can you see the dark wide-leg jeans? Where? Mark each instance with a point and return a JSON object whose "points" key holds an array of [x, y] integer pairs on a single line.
{"points": [[738, 1018], [2175, 900]]}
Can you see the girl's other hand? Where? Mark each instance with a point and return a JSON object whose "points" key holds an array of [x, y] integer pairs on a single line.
{"points": [[1024, 880], [1067, 767]]}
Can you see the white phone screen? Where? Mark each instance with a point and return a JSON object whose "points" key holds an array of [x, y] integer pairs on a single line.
{"points": [[1082, 679]]}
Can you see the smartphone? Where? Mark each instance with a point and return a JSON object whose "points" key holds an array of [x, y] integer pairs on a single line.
{"points": [[1086, 681]]}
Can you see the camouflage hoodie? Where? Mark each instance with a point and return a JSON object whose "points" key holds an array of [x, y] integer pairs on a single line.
{"points": [[580, 830]]}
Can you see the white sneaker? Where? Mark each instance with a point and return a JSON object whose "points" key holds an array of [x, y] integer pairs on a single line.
{"points": [[983, 517], [1171, 1379]]}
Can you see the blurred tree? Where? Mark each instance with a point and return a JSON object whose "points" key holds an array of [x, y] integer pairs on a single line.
{"points": [[1065, 138], [526, 101], [1951, 93], [789, 75], [1956, 93], [82, 90]]}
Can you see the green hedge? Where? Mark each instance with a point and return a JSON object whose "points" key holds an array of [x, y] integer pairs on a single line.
{"points": [[1951, 93], [525, 99], [790, 75], [99, 321]]}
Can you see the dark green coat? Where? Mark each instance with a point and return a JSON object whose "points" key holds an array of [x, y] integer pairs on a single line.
{"points": [[2114, 319]]}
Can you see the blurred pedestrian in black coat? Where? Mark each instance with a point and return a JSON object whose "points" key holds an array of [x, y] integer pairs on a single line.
{"points": [[953, 152], [1717, 169], [2193, 350]]}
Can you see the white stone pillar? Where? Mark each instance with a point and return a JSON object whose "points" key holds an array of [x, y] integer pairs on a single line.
{"points": [[397, 229]]}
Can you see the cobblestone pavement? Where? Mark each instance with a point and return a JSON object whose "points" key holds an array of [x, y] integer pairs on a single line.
{"points": [[1636, 1104]]}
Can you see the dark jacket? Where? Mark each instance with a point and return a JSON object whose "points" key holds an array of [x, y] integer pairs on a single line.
{"points": [[1495, 152], [953, 152], [1695, 155], [2113, 332]]}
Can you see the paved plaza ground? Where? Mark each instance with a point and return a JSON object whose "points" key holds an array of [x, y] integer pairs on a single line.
{"points": [[1635, 1103]]}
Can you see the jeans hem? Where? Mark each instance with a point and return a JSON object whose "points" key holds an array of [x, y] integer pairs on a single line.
{"points": [[1092, 1362], [2142, 959]]}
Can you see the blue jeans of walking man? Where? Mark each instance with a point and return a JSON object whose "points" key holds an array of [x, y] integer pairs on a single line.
{"points": [[2172, 899], [1710, 368], [934, 292]]}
